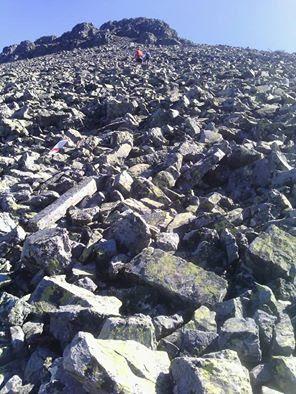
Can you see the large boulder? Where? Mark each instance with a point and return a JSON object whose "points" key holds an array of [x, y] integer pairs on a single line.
{"points": [[214, 373], [48, 249], [131, 232], [176, 277], [114, 366], [241, 335], [272, 255], [54, 292]]}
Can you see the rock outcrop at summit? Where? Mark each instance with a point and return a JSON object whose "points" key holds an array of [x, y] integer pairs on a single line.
{"points": [[86, 35], [147, 217]]}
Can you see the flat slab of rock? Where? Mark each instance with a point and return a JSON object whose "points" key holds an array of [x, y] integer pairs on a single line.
{"points": [[176, 277], [53, 292], [272, 254], [51, 214], [113, 366]]}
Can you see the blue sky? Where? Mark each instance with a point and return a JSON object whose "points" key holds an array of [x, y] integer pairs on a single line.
{"points": [[262, 24]]}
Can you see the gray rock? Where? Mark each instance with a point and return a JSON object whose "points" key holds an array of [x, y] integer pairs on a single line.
{"points": [[221, 372], [7, 224], [48, 249], [271, 254], [241, 335], [13, 310], [57, 209], [37, 366], [167, 241], [55, 291], [15, 386], [138, 328], [284, 373], [131, 232], [176, 277], [283, 343], [165, 325], [114, 365]]}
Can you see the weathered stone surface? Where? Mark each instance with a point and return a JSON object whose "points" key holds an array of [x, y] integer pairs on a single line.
{"points": [[48, 249], [241, 335], [272, 254], [284, 373], [176, 277], [57, 209], [53, 292], [138, 328], [214, 373], [192, 153], [13, 310], [283, 343], [116, 366], [131, 232]]}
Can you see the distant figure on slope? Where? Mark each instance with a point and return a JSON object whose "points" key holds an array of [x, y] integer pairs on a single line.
{"points": [[147, 57], [139, 56]]}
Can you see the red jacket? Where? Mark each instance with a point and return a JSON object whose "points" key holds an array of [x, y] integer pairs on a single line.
{"points": [[139, 54]]}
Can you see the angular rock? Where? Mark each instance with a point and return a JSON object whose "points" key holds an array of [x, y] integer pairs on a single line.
{"points": [[138, 328], [241, 335], [284, 373], [48, 249], [131, 232], [57, 209], [272, 254], [116, 366], [53, 292], [176, 277], [216, 372]]}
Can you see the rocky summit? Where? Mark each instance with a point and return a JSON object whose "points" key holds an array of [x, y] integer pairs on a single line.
{"points": [[147, 215]]}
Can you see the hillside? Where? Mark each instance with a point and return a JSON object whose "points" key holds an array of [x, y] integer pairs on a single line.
{"points": [[155, 251]]}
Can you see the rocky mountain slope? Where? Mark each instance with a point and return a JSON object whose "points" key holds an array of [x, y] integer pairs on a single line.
{"points": [[156, 251], [86, 35]]}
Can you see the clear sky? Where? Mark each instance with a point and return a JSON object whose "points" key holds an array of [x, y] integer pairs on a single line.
{"points": [[262, 24]]}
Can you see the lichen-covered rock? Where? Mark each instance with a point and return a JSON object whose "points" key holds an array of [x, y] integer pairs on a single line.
{"points": [[272, 255], [116, 366], [175, 277], [48, 249], [13, 310], [194, 338], [53, 292], [241, 335], [284, 373], [138, 328], [131, 232], [283, 343], [212, 374]]}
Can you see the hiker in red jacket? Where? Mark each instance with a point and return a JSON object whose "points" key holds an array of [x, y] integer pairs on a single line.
{"points": [[139, 56]]}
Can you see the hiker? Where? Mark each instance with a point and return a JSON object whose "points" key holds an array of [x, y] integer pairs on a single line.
{"points": [[147, 57], [139, 56]]}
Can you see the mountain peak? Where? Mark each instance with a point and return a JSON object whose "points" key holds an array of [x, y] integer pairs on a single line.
{"points": [[86, 35]]}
